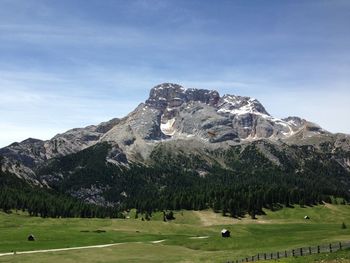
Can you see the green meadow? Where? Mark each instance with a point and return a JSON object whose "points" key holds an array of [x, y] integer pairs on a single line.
{"points": [[194, 236]]}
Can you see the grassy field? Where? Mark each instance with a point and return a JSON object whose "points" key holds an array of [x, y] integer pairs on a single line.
{"points": [[339, 256], [279, 230]]}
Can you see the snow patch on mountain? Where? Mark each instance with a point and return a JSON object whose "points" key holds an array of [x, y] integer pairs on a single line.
{"points": [[167, 128]]}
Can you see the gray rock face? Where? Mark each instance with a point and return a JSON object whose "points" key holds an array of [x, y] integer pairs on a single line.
{"points": [[204, 114], [92, 195], [22, 158], [162, 95], [29, 152], [171, 113], [173, 95]]}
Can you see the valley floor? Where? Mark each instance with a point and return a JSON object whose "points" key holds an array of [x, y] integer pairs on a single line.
{"points": [[194, 236]]}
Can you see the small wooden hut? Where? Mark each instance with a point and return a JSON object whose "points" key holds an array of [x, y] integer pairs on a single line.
{"points": [[225, 233]]}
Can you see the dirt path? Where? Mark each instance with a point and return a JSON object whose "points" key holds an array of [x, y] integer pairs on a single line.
{"points": [[84, 247], [157, 241], [58, 249], [71, 248], [202, 237]]}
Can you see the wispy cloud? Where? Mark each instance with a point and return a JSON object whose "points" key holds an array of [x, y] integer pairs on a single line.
{"points": [[33, 111], [66, 64]]}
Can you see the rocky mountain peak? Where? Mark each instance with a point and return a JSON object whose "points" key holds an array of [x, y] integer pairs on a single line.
{"points": [[172, 113], [167, 93], [295, 121], [239, 105], [174, 95]]}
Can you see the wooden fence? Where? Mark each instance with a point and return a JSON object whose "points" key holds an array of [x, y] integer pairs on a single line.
{"points": [[297, 252]]}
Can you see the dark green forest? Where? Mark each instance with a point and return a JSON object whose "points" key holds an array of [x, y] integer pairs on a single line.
{"points": [[234, 182], [40, 201]]}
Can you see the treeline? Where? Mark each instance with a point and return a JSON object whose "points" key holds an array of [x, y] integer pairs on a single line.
{"points": [[248, 183], [15, 194], [231, 194], [235, 182]]}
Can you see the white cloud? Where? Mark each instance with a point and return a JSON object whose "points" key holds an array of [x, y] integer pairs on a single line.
{"points": [[12, 132], [29, 110], [328, 108], [86, 69]]}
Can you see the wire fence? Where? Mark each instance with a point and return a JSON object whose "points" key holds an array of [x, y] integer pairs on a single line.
{"points": [[297, 252]]}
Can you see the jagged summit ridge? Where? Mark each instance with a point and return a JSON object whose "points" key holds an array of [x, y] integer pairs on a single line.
{"points": [[172, 95], [229, 117], [241, 105]]}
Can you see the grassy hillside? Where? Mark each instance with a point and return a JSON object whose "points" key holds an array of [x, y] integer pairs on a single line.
{"points": [[194, 236]]}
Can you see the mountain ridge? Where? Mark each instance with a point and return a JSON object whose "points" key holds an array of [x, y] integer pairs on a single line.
{"points": [[171, 112], [181, 149]]}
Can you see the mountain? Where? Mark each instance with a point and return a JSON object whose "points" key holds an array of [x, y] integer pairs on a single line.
{"points": [[170, 113], [195, 133]]}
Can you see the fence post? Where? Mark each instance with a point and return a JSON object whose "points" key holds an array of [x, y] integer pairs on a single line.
{"points": [[279, 255]]}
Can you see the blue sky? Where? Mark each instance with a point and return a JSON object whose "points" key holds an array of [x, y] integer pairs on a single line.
{"points": [[72, 63]]}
